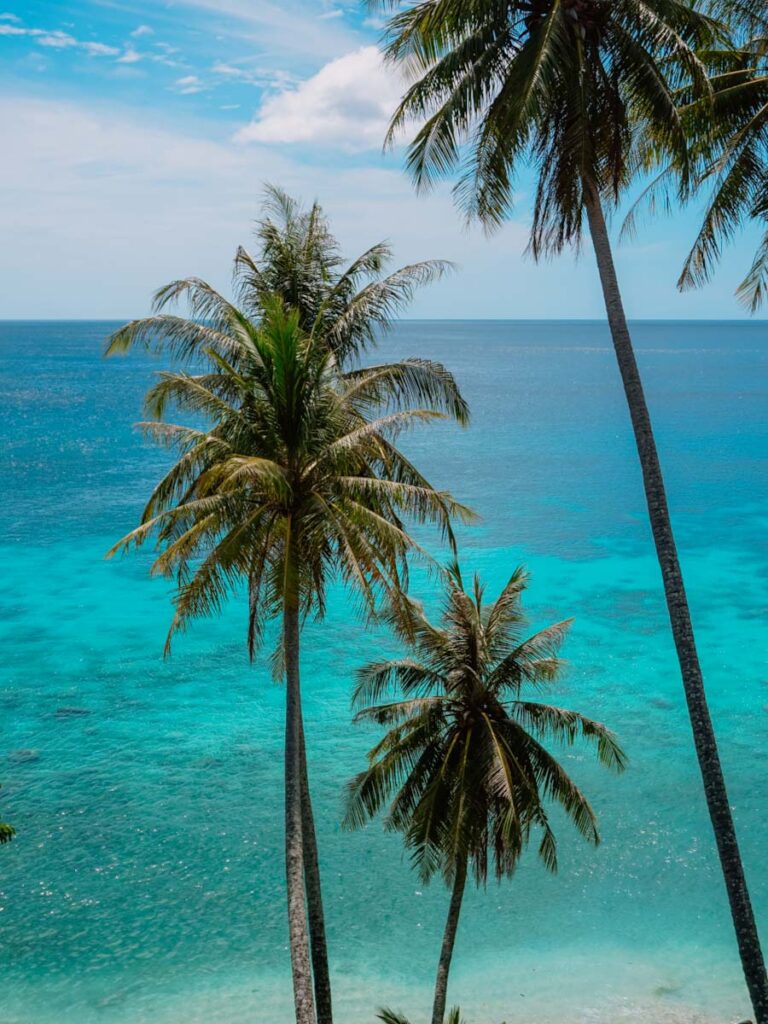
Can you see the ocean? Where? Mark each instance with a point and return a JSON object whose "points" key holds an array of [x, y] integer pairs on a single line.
{"points": [[146, 882]]}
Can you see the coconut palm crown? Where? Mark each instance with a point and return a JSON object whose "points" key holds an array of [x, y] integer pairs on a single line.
{"points": [[464, 767], [295, 459], [568, 87]]}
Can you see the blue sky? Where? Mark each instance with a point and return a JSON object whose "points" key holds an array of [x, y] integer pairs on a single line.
{"points": [[137, 136]]}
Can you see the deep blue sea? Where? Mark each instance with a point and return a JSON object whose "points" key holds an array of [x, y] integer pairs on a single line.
{"points": [[146, 883]]}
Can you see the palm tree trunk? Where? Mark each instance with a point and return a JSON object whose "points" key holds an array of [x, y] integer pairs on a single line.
{"points": [[294, 853], [449, 939], [720, 815], [318, 943]]}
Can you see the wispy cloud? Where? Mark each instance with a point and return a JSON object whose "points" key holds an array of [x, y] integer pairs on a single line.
{"points": [[188, 85], [282, 29], [348, 103], [245, 71], [93, 189], [100, 49], [57, 39], [130, 56], [54, 39], [228, 70]]}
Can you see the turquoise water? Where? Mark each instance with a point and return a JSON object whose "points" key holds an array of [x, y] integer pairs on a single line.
{"points": [[146, 882]]}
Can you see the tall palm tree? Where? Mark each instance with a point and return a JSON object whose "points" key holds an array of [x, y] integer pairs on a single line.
{"points": [[577, 91], [464, 763], [295, 481], [346, 307]]}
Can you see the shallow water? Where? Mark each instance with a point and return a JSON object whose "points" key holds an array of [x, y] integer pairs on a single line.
{"points": [[146, 882]]}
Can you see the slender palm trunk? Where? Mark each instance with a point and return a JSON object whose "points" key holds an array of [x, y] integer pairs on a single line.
{"points": [[449, 940], [294, 853], [318, 943], [677, 605]]}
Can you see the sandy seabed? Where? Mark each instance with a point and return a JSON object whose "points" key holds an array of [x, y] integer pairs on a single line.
{"points": [[595, 987]]}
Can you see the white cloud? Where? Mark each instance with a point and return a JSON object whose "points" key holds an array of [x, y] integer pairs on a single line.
{"points": [[55, 39], [220, 68], [119, 206], [131, 56], [143, 30], [281, 30], [58, 40], [100, 49], [348, 103], [188, 84], [240, 74], [7, 16], [244, 71]]}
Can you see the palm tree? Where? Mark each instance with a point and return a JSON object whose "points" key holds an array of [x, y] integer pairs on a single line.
{"points": [[464, 762], [296, 481], [578, 92], [346, 307], [733, 139]]}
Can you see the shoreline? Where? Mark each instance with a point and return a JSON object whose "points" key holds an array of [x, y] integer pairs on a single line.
{"points": [[574, 986]]}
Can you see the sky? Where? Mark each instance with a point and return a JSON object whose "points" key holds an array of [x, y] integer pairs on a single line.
{"points": [[136, 138]]}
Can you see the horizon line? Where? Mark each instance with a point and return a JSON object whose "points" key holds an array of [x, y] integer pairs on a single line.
{"points": [[744, 319]]}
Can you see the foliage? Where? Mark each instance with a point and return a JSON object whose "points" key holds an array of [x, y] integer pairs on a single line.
{"points": [[390, 1017], [732, 140], [573, 87], [463, 764], [290, 442], [299, 259], [291, 429]]}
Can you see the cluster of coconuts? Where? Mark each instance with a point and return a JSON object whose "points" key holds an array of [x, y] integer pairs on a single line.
{"points": [[589, 16]]}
